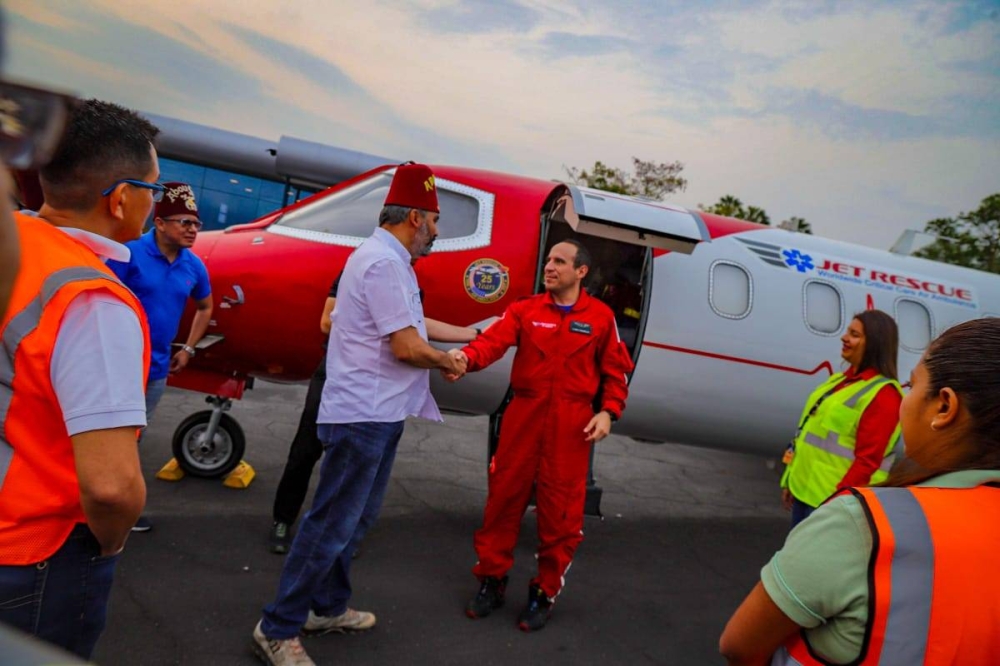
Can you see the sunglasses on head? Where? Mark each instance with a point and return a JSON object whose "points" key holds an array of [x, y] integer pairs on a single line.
{"points": [[32, 121]]}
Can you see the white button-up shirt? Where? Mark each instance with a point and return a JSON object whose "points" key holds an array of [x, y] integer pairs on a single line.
{"points": [[365, 382]]}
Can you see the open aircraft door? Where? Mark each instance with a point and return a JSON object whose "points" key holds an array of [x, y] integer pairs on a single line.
{"points": [[623, 234], [645, 222]]}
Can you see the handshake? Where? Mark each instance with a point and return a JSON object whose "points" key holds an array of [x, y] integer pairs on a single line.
{"points": [[455, 365]]}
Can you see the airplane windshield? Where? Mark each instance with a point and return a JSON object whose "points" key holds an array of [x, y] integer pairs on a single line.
{"points": [[354, 211]]}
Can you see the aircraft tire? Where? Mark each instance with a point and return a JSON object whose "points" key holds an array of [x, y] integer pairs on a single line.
{"points": [[216, 460]]}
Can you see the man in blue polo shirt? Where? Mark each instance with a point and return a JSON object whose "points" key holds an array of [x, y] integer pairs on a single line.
{"points": [[164, 273]]}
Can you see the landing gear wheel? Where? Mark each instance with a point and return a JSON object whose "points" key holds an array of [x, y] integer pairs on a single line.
{"points": [[208, 459]]}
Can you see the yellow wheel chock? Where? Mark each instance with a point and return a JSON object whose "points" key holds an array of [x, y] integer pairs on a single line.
{"points": [[240, 477]]}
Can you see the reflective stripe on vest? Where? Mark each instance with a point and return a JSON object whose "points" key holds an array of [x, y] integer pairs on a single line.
{"points": [[909, 611], [934, 587], [825, 444], [831, 443], [21, 324]]}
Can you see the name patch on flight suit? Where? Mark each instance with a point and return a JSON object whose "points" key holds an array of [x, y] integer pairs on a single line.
{"points": [[579, 327]]}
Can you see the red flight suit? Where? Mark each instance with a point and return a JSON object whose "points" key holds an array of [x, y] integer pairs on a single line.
{"points": [[564, 361]]}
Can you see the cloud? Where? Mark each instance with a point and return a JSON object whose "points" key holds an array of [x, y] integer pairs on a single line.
{"points": [[63, 68], [565, 44], [844, 121], [891, 57], [477, 16], [887, 70], [38, 13], [806, 108]]}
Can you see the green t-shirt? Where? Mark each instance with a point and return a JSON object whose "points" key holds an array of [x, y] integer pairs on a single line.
{"points": [[819, 578]]}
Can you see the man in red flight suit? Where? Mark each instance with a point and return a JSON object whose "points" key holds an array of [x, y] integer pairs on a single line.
{"points": [[568, 354]]}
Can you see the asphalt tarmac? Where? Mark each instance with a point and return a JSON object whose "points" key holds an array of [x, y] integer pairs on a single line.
{"points": [[684, 534]]}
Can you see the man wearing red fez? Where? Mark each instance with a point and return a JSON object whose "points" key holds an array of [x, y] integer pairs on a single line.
{"points": [[163, 272], [377, 375]]}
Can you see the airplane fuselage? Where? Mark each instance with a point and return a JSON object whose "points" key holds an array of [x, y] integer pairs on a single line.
{"points": [[730, 332]]}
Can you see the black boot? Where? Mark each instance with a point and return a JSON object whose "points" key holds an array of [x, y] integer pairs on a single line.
{"points": [[537, 612], [489, 598]]}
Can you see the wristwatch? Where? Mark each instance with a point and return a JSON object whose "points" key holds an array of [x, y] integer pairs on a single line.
{"points": [[611, 415], [189, 349]]}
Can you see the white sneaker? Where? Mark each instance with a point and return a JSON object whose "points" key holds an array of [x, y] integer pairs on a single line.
{"points": [[349, 620], [280, 652]]}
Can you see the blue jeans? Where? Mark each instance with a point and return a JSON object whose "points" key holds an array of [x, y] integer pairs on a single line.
{"points": [[63, 600], [800, 511], [353, 477], [154, 391]]}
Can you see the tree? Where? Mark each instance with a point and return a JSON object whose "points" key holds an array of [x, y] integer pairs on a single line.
{"points": [[727, 205], [971, 239], [798, 224], [731, 206], [650, 179], [755, 214]]}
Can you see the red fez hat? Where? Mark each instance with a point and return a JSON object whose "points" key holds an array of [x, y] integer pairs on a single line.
{"points": [[178, 199], [413, 187]]}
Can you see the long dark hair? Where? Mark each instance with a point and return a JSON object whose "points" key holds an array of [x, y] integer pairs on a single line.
{"points": [[881, 342], [965, 358]]}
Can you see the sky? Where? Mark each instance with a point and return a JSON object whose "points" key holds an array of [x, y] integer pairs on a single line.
{"points": [[864, 118]]}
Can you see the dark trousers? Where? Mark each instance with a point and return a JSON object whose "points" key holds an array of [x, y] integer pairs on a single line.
{"points": [[353, 479], [306, 449], [63, 600], [800, 511]]}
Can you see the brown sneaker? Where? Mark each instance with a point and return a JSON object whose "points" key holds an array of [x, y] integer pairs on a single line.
{"points": [[349, 620], [280, 652]]}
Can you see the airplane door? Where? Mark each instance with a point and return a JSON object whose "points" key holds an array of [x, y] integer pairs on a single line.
{"points": [[623, 234], [633, 220]]}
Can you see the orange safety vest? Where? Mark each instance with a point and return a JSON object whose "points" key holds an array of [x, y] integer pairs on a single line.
{"points": [[933, 578], [39, 490]]}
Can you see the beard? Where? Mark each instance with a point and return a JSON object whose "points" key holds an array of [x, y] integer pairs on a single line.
{"points": [[423, 241]]}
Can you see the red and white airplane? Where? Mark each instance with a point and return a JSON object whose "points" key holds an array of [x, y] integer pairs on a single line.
{"points": [[731, 324]]}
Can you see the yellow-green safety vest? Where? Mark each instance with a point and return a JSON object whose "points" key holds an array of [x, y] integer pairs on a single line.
{"points": [[824, 446]]}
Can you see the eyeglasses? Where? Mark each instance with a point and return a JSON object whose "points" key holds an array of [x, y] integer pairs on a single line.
{"points": [[32, 121], [157, 189], [195, 224]]}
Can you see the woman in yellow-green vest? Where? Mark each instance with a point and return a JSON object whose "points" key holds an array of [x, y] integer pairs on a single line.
{"points": [[850, 424]]}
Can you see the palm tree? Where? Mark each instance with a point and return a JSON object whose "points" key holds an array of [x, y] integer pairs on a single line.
{"points": [[755, 214], [727, 205]]}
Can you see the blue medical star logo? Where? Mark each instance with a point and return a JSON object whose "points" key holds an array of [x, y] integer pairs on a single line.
{"points": [[797, 260]]}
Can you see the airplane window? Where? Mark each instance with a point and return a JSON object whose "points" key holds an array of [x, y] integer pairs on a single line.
{"points": [[351, 212], [354, 211], [729, 290], [824, 308], [915, 330], [459, 215]]}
